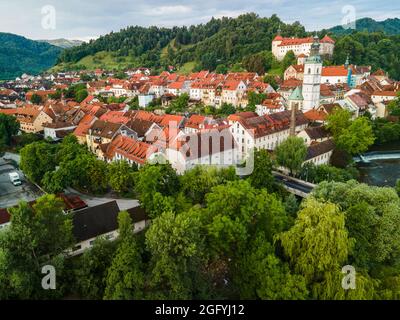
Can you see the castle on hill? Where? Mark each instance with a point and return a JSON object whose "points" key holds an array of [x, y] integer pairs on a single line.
{"points": [[300, 46]]}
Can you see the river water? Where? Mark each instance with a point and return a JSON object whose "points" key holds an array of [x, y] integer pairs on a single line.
{"points": [[381, 172]]}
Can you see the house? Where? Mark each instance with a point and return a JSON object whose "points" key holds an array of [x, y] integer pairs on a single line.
{"points": [[294, 72], [251, 131], [101, 132], [288, 86], [320, 153], [102, 221], [83, 127], [178, 87], [233, 92], [58, 129], [31, 119], [382, 96], [145, 100], [313, 135], [128, 149], [321, 114], [212, 147], [196, 122], [334, 74], [43, 94]]}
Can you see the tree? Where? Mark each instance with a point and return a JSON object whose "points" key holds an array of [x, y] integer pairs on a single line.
{"points": [[37, 236], [199, 181], [36, 99], [288, 60], [81, 95], [85, 172], [255, 63], [125, 278], [271, 80], [176, 246], [338, 121], [9, 127], [356, 138], [262, 177], [372, 214], [236, 211], [261, 274], [55, 232], [398, 186], [318, 245], [152, 179], [36, 159], [90, 271], [291, 154], [120, 176], [221, 69]]}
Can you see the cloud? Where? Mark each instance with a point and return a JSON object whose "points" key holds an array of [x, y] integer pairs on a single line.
{"points": [[168, 10], [82, 19]]}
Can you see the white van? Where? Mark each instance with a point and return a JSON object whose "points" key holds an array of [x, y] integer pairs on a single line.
{"points": [[14, 178]]}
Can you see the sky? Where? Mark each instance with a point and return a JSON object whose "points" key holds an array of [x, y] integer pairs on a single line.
{"points": [[86, 19]]}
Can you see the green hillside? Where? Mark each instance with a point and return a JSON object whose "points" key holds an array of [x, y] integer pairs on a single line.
{"points": [[224, 41], [19, 55], [389, 26], [230, 44]]}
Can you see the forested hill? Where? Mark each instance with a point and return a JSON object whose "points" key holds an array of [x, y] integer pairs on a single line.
{"points": [[19, 55], [222, 41], [388, 26], [227, 43]]}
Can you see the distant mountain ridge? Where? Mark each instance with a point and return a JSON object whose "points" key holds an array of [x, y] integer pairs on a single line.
{"points": [[388, 26], [63, 43], [20, 55]]}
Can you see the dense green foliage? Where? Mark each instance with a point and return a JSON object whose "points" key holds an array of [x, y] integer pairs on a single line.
{"points": [[242, 43], [9, 127], [352, 136], [223, 42], [37, 236], [388, 26], [33, 57], [291, 153], [215, 236]]}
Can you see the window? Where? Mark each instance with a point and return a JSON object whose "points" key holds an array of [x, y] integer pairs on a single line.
{"points": [[309, 70]]}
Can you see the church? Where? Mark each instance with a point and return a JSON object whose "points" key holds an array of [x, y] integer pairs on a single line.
{"points": [[307, 97]]}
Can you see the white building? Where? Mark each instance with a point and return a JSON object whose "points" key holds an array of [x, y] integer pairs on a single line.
{"points": [[300, 46], [312, 78], [102, 221]]}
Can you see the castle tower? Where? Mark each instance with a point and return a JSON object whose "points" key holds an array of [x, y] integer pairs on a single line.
{"points": [[312, 78]]}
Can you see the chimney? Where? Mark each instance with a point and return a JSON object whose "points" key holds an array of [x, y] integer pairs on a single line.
{"points": [[293, 119]]}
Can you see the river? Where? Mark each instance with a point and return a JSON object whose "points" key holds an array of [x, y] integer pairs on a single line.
{"points": [[380, 171]]}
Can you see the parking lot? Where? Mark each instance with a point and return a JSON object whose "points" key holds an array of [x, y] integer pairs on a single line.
{"points": [[10, 195]]}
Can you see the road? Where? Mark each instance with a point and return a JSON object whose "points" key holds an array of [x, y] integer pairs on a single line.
{"points": [[294, 183], [11, 195], [92, 201]]}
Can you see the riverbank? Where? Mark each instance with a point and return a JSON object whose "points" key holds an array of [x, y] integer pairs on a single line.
{"points": [[380, 170]]}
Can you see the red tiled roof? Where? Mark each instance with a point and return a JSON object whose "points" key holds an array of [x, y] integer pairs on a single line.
{"points": [[315, 115], [129, 148], [334, 71], [115, 117], [84, 125]]}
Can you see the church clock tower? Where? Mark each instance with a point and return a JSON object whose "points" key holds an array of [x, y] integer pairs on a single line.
{"points": [[312, 78]]}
